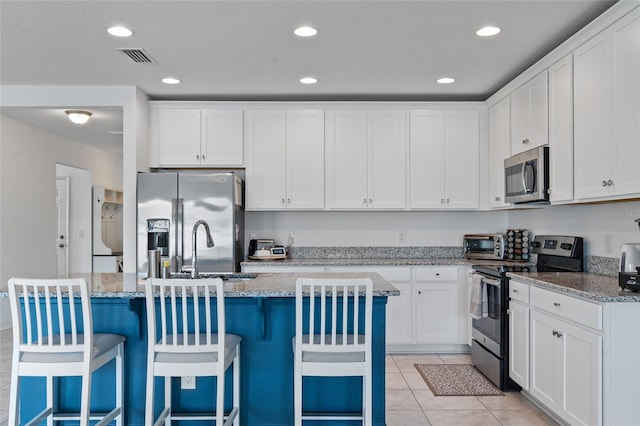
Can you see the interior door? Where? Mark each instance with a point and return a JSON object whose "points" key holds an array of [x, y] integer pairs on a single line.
{"points": [[62, 236]]}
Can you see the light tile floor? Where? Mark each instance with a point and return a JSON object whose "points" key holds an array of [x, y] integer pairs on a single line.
{"points": [[410, 402], [408, 398]]}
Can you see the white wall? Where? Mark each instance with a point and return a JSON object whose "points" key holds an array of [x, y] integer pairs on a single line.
{"points": [[369, 228], [593, 222], [27, 192]]}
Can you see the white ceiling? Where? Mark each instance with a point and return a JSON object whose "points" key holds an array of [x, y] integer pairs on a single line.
{"points": [[246, 50]]}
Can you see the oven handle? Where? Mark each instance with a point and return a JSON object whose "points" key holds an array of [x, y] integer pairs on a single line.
{"points": [[490, 281]]}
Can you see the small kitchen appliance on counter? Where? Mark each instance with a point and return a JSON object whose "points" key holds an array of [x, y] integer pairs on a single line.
{"points": [[265, 249], [629, 275], [490, 334], [484, 246]]}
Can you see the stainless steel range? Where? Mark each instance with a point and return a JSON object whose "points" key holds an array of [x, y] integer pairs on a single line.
{"points": [[490, 330]]}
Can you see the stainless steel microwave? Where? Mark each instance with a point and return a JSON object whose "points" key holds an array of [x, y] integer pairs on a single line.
{"points": [[526, 176]]}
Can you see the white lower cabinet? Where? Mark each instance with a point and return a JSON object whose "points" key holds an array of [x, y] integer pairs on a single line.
{"points": [[519, 343], [566, 369], [436, 296], [556, 352]]}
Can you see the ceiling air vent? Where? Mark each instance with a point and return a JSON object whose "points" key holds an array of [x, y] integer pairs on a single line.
{"points": [[138, 55]]}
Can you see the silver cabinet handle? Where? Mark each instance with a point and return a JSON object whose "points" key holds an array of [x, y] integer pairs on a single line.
{"points": [[282, 200], [556, 304], [370, 200], [203, 157], [364, 201], [441, 200], [288, 200], [448, 201], [515, 290], [557, 333], [525, 141], [604, 183], [609, 182], [419, 291], [497, 199], [197, 157], [508, 311]]}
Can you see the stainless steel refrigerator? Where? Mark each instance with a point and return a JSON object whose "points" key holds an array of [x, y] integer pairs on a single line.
{"points": [[170, 204]]}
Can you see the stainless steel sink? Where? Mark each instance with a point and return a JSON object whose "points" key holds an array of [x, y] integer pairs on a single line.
{"points": [[226, 276]]}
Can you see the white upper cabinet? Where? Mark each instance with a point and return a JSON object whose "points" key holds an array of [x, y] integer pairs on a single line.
{"points": [[191, 137], [529, 115], [607, 112], [365, 159], [285, 159], [499, 149], [444, 152], [561, 130]]}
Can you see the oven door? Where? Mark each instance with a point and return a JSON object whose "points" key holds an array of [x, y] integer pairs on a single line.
{"points": [[487, 330]]}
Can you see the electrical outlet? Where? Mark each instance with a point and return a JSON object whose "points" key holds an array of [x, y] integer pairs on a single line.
{"points": [[187, 382], [608, 239], [290, 238], [402, 237], [252, 235]]}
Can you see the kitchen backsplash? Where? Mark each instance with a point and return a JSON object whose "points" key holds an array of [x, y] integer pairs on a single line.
{"points": [[375, 252], [603, 265]]}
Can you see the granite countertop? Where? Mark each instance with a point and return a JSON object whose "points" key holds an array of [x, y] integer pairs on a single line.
{"points": [[128, 285], [599, 288]]}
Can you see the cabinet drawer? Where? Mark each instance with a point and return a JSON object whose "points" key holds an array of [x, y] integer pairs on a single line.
{"points": [[519, 291], [571, 308], [437, 273], [388, 273]]}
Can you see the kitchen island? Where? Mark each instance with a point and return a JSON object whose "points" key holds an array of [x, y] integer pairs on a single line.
{"points": [[262, 312]]}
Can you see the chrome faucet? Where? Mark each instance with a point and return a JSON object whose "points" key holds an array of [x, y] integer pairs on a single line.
{"points": [[194, 250]]}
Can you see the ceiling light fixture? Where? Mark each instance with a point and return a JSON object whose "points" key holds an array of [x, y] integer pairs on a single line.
{"points": [[446, 80], [119, 31], [77, 116], [305, 31], [171, 80], [308, 80], [487, 31]]}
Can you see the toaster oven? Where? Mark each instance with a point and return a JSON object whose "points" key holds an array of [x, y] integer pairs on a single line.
{"points": [[484, 246]]}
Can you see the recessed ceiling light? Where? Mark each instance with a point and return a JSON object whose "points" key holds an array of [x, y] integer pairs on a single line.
{"points": [[119, 31], [446, 80], [308, 80], [77, 116], [305, 31], [171, 80], [488, 31]]}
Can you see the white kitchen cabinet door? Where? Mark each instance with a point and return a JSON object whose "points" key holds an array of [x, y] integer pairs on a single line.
{"points": [[566, 369], [444, 151], [265, 149], [400, 315], [178, 137], [462, 159], [519, 343], [426, 147], [436, 312], [561, 130], [529, 115], [499, 149], [222, 137], [546, 366], [365, 160], [346, 159], [593, 109], [305, 159], [387, 160], [626, 42]]}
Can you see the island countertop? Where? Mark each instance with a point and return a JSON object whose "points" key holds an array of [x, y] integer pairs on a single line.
{"points": [[128, 285]]}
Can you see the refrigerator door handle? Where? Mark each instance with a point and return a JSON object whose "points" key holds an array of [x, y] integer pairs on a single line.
{"points": [[177, 217]]}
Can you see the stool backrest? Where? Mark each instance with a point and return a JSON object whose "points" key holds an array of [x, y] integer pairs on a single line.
{"points": [[185, 326], [51, 321], [334, 321]]}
